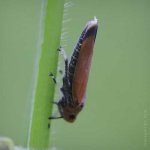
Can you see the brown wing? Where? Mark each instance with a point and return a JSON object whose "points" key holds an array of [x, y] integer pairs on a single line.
{"points": [[82, 69]]}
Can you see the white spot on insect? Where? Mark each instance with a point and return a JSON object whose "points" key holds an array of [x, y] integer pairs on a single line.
{"points": [[91, 23], [95, 18]]}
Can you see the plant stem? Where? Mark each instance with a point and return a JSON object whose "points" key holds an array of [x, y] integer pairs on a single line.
{"points": [[39, 133]]}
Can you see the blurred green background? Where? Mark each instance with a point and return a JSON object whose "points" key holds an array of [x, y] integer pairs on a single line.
{"points": [[19, 39], [116, 112]]}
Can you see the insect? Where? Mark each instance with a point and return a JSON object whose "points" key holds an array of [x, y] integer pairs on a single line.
{"points": [[76, 74]]}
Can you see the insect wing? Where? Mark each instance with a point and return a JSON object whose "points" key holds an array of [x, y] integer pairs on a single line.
{"points": [[82, 69]]}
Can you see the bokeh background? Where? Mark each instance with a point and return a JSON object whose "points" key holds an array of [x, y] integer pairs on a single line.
{"points": [[117, 108]]}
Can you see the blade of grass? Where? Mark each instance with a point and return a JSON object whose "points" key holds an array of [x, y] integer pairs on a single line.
{"points": [[39, 132]]}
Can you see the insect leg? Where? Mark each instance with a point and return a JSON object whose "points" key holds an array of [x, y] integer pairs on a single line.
{"points": [[55, 117], [52, 76], [61, 113], [62, 51], [60, 110]]}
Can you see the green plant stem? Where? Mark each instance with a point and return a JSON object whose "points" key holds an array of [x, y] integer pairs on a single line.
{"points": [[39, 134]]}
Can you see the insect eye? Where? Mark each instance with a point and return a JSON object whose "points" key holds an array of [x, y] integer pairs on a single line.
{"points": [[72, 116]]}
